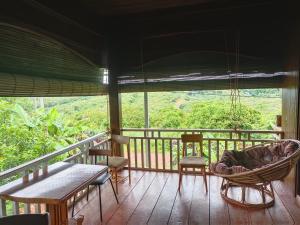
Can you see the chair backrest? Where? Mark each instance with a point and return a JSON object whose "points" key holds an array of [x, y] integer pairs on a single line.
{"points": [[115, 140], [32, 219], [194, 139], [119, 139]]}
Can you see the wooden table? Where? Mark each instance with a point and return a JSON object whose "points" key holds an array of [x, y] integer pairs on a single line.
{"points": [[54, 189]]}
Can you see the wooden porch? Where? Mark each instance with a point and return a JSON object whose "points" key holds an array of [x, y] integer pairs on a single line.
{"points": [[153, 198]]}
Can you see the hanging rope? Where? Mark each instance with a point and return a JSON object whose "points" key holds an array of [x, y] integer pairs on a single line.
{"points": [[235, 108]]}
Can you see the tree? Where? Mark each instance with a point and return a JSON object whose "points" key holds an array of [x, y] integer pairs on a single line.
{"points": [[217, 115], [169, 117]]}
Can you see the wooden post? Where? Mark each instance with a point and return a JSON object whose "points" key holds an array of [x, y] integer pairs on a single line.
{"points": [[113, 90], [146, 125]]}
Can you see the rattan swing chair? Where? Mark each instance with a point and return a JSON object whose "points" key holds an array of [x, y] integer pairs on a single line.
{"points": [[259, 178]]}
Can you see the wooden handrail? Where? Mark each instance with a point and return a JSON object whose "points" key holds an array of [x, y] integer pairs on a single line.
{"points": [[34, 163], [204, 130]]}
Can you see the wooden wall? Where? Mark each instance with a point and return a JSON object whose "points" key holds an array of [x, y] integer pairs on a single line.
{"points": [[290, 98]]}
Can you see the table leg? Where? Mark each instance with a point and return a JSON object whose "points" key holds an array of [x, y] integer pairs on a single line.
{"points": [[58, 213]]}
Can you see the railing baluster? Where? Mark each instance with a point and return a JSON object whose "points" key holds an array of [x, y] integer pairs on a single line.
{"points": [[16, 208], [135, 153], [45, 168], [218, 150], [149, 153], [209, 153], [171, 155], [178, 152], [142, 153], [156, 154], [163, 154], [27, 208], [2, 208], [37, 208], [36, 172]]}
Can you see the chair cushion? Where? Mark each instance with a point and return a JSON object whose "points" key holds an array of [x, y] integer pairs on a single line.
{"points": [[115, 162], [257, 157], [102, 179], [192, 161]]}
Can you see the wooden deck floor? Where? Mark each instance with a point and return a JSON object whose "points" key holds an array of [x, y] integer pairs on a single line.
{"points": [[153, 198]]}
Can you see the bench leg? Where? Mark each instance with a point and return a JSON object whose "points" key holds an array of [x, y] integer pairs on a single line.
{"points": [[180, 177], [204, 177]]}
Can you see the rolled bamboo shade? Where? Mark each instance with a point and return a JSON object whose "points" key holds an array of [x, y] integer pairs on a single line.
{"points": [[32, 64]]}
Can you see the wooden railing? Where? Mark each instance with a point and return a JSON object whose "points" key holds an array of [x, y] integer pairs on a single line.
{"points": [[160, 149], [150, 149], [76, 153]]}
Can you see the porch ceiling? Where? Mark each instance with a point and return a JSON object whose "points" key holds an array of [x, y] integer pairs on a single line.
{"points": [[146, 40]]}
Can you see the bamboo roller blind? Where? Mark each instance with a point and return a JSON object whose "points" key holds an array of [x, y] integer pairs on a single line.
{"points": [[32, 64]]}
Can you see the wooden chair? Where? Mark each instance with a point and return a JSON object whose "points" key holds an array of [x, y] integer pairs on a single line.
{"points": [[194, 162], [113, 161], [32, 219], [98, 182]]}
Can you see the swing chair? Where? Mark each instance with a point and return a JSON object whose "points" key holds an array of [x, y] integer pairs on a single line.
{"points": [[255, 167]]}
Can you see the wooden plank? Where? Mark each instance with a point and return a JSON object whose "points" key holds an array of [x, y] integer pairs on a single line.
{"points": [[287, 199], [237, 214], [257, 216], [199, 213], [127, 207], [164, 205], [279, 214], [218, 208], [144, 209], [182, 205]]}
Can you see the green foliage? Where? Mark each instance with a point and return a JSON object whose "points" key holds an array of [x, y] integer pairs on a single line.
{"points": [[217, 115], [28, 131], [169, 117]]}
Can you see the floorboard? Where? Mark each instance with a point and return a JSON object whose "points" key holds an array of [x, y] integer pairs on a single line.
{"points": [[145, 207], [163, 208], [199, 213], [127, 207], [182, 205], [218, 213], [153, 199], [258, 216]]}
